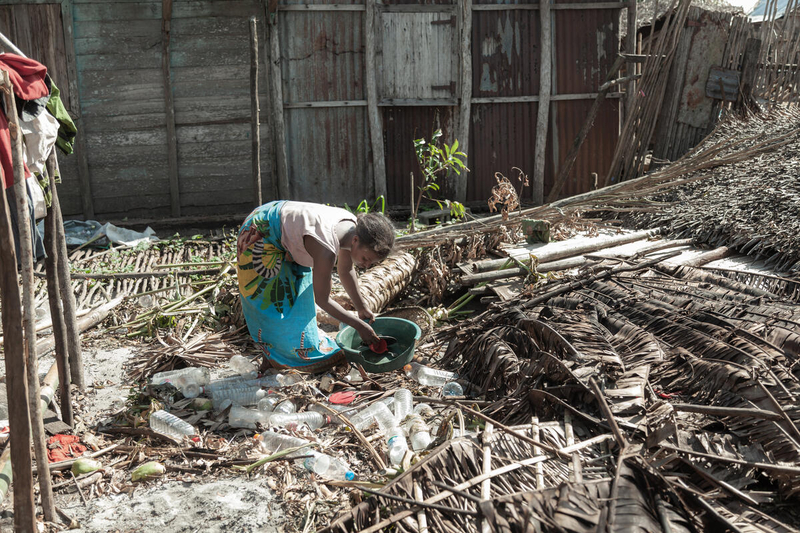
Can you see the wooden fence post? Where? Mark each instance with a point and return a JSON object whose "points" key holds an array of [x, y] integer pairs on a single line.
{"points": [[542, 118], [375, 123], [169, 111], [630, 48], [16, 379], [465, 108], [255, 126], [276, 98]]}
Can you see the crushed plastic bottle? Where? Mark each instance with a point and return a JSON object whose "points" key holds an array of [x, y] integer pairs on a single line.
{"points": [[243, 366], [425, 375], [291, 421], [242, 417], [403, 404], [268, 403], [419, 434], [452, 388], [384, 417], [274, 442], [242, 396], [328, 467], [346, 410], [354, 376], [423, 409], [396, 444], [279, 380], [365, 418], [170, 425], [286, 406], [190, 381]]}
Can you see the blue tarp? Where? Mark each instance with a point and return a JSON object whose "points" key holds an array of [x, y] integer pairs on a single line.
{"points": [[759, 12]]}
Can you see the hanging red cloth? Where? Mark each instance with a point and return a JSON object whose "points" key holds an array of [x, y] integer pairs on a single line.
{"points": [[27, 77]]}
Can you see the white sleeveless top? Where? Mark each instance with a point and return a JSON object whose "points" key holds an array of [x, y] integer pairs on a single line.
{"points": [[299, 219]]}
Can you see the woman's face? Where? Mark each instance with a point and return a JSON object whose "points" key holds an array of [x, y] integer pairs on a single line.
{"points": [[363, 256]]}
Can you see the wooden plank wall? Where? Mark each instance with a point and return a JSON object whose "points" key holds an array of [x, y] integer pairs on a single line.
{"points": [[118, 54]]}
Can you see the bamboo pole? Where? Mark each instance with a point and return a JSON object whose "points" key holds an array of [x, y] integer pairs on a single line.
{"points": [[25, 239], [543, 112], [56, 313], [15, 361], [630, 47], [486, 484], [255, 125], [494, 275], [65, 288]]}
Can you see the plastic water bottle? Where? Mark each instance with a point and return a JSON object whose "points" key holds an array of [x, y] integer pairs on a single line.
{"points": [[274, 442], [396, 444], [243, 366], [385, 419], [452, 388], [279, 380], [346, 410], [242, 417], [170, 425], [291, 421], [286, 406], [423, 409], [238, 395], [190, 381], [328, 467], [354, 376], [425, 375], [418, 433], [268, 403], [364, 419], [403, 404]]}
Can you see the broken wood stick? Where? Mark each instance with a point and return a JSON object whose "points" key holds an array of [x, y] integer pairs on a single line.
{"points": [[63, 465], [795, 470], [139, 275], [424, 504], [707, 257], [606, 410], [94, 317], [726, 411]]}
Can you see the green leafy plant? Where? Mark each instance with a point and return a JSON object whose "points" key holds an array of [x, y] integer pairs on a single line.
{"points": [[365, 207], [436, 162]]}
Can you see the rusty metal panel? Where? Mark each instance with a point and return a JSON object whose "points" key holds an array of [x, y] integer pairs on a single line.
{"points": [[322, 56], [505, 53], [502, 136], [327, 148], [401, 126], [596, 153]]}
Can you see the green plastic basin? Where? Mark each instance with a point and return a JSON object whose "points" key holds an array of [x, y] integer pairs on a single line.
{"points": [[400, 354]]}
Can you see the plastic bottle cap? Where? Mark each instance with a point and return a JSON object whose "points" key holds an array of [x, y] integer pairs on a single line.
{"points": [[408, 368], [349, 476]]}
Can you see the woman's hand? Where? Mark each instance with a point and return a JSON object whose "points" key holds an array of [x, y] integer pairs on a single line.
{"points": [[367, 334], [366, 314]]}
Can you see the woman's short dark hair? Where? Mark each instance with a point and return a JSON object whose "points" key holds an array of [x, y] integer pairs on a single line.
{"points": [[376, 232]]}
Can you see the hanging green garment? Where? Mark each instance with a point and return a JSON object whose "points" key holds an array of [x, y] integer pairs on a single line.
{"points": [[67, 131]]}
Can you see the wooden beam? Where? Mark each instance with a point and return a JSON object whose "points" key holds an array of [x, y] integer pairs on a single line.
{"points": [[414, 8], [16, 379], [324, 7], [553, 98], [517, 7], [464, 110], [255, 127], [327, 103], [375, 122], [546, 45], [276, 99], [81, 152], [419, 102], [169, 111], [749, 72]]}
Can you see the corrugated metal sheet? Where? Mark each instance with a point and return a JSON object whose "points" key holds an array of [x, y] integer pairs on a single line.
{"points": [[327, 148], [585, 48], [401, 126]]}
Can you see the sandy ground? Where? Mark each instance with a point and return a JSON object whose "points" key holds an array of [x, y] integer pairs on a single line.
{"points": [[219, 504]]}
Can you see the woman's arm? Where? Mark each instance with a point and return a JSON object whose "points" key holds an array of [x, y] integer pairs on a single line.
{"points": [[347, 275], [323, 268]]}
